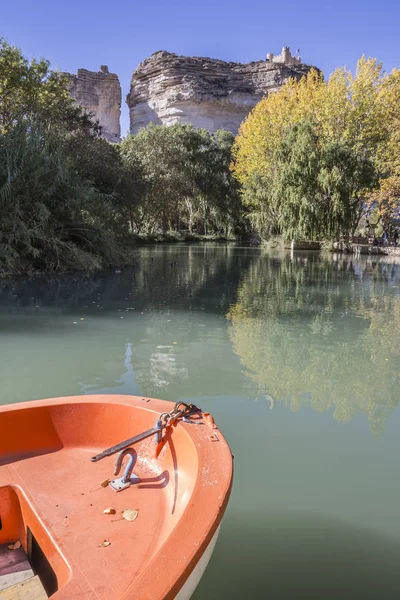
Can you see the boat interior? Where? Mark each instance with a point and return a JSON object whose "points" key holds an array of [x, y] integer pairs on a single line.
{"points": [[53, 497]]}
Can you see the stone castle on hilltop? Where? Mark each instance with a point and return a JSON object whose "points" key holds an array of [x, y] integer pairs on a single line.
{"points": [[285, 57], [167, 88]]}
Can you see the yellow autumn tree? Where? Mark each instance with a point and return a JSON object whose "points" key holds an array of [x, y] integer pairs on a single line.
{"points": [[386, 199], [358, 114]]}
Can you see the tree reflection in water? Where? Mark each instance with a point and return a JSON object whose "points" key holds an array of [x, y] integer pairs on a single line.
{"points": [[309, 330], [321, 333]]}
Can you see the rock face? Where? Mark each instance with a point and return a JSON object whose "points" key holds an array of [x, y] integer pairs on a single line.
{"points": [[204, 92], [99, 93]]}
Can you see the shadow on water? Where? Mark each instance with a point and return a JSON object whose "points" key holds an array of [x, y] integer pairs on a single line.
{"points": [[287, 556]]}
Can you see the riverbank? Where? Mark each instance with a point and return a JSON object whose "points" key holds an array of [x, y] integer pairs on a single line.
{"points": [[355, 248], [346, 248], [130, 246], [127, 254], [174, 237]]}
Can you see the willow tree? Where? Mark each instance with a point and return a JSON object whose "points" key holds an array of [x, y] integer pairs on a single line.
{"points": [[354, 116], [317, 188]]}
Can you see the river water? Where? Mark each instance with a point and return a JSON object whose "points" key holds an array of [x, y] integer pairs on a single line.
{"points": [[298, 359]]}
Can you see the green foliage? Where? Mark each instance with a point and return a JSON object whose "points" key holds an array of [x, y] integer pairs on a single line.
{"points": [[56, 187], [183, 181], [345, 137], [52, 218], [32, 90], [317, 187], [70, 200]]}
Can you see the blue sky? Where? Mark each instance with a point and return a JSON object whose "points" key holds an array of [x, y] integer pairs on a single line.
{"points": [[87, 34]]}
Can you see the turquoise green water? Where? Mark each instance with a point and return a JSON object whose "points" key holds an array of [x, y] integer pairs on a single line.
{"points": [[298, 359]]}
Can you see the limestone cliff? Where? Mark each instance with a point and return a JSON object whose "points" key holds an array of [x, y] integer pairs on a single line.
{"points": [[100, 93], [205, 92]]}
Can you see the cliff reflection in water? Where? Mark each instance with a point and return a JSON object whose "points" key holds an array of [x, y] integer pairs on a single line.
{"points": [[321, 333]]}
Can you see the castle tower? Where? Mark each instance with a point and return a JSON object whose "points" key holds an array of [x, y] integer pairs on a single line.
{"points": [[286, 56]]}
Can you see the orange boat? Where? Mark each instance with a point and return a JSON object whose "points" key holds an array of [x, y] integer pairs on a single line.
{"points": [[112, 497]]}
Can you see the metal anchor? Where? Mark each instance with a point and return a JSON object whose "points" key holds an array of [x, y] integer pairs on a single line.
{"points": [[128, 478]]}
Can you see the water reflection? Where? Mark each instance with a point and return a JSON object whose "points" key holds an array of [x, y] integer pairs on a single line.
{"points": [[142, 331], [314, 509], [322, 333], [309, 331]]}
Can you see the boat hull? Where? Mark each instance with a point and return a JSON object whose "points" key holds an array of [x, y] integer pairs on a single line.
{"points": [[193, 581]]}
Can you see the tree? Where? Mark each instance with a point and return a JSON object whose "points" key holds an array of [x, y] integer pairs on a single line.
{"points": [[155, 154], [59, 182], [183, 180], [384, 202], [30, 89], [317, 188], [69, 198], [353, 116], [53, 217]]}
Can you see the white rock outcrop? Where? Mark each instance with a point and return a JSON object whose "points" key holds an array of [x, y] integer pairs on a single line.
{"points": [[204, 92], [99, 93]]}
